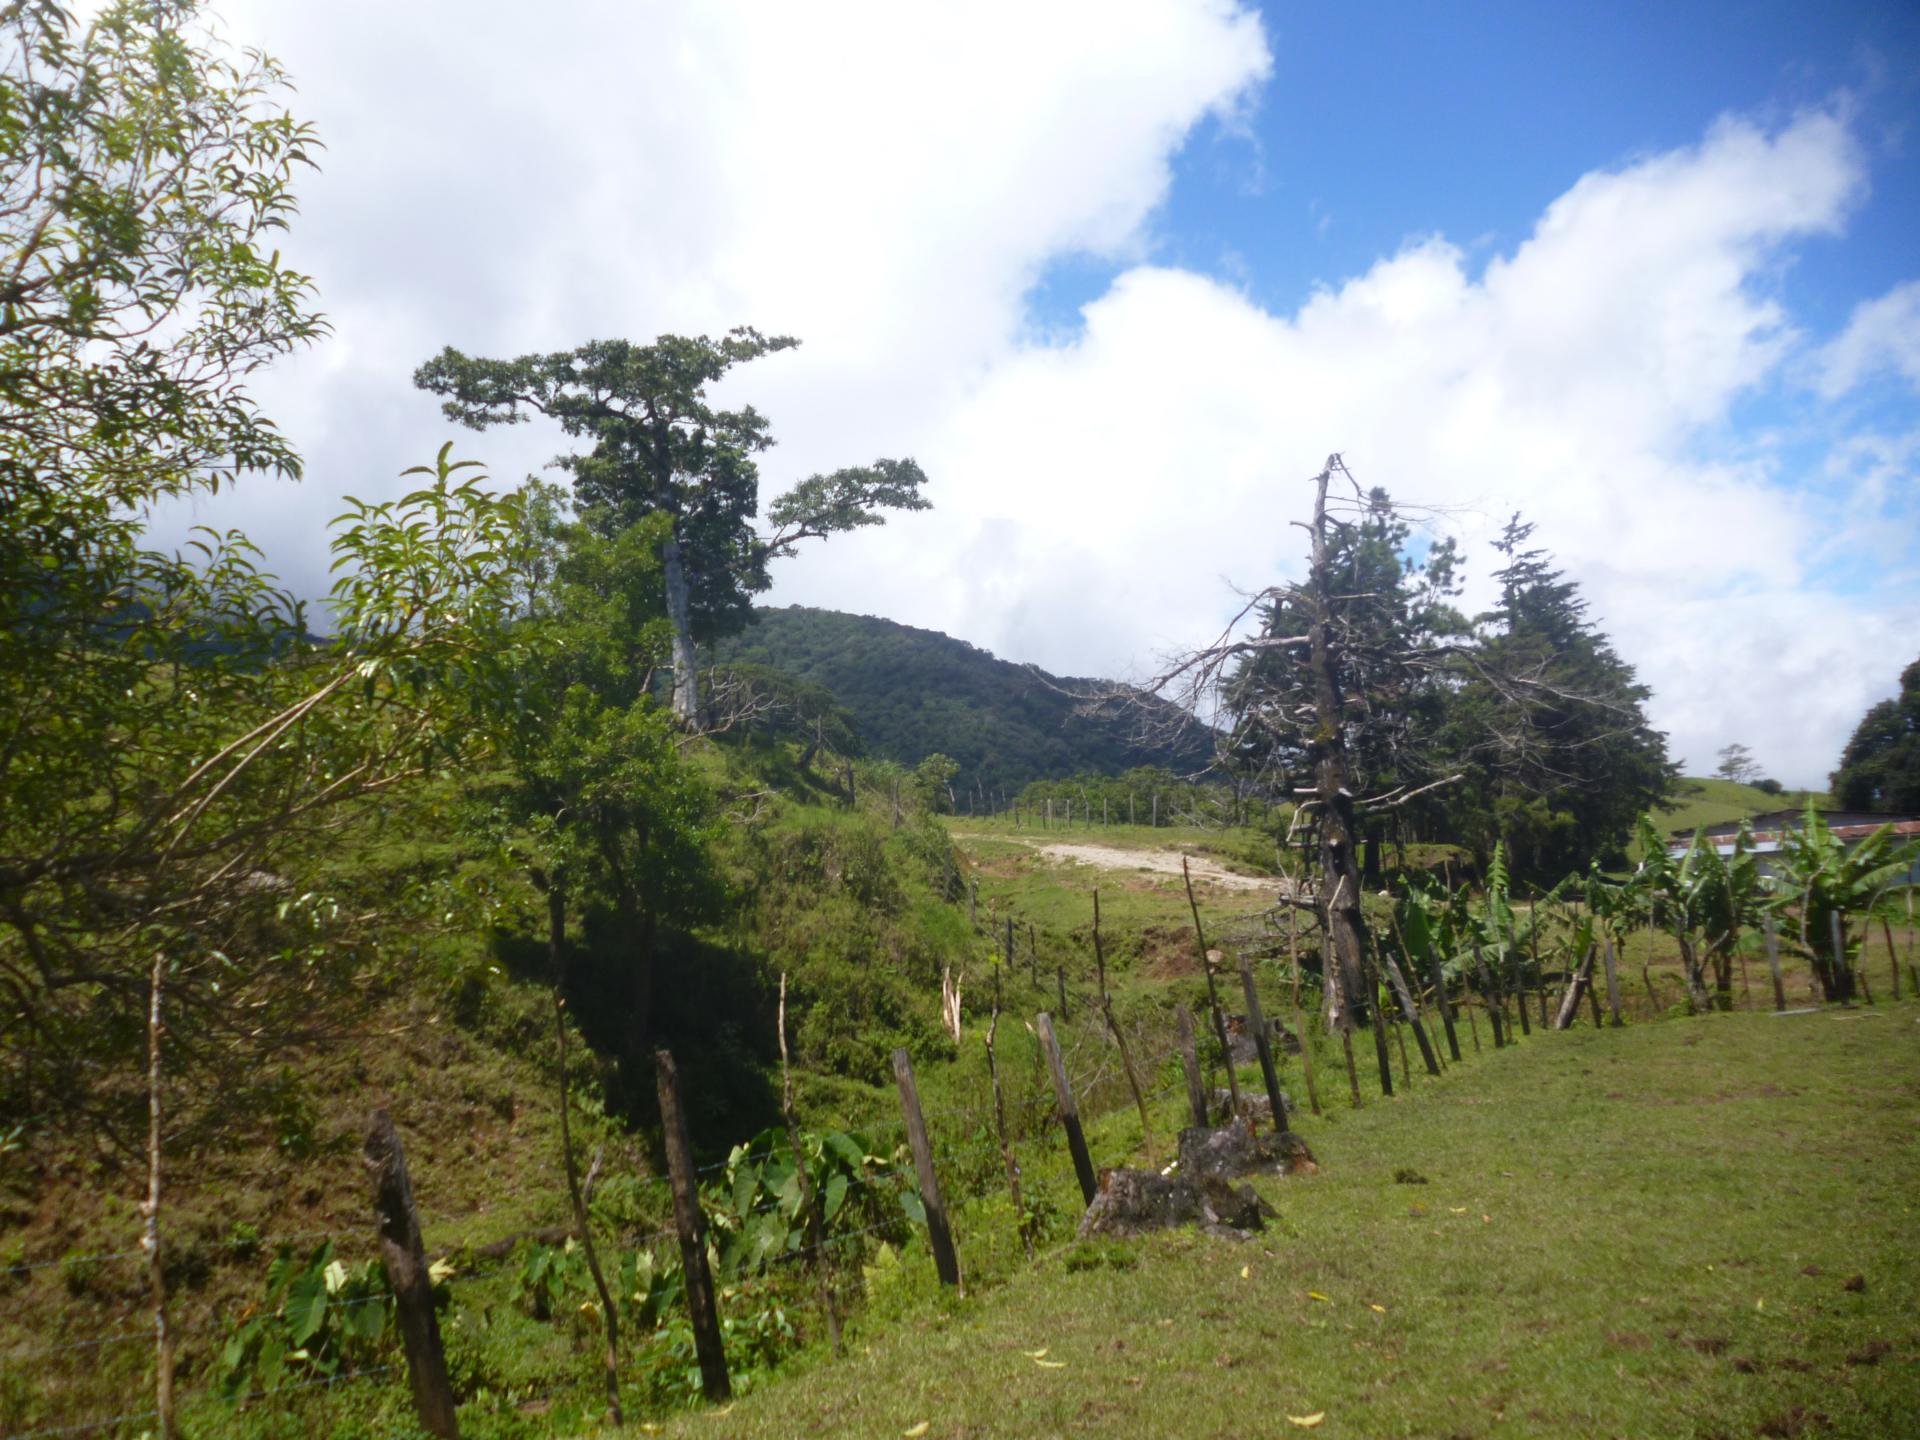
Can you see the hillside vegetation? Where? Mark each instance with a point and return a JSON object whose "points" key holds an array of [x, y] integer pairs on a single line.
{"points": [[913, 693]]}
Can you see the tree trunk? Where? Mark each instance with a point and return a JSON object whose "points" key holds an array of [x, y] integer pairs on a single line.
{"points": [[686, 672], [1339, 862], [150, 1211]]}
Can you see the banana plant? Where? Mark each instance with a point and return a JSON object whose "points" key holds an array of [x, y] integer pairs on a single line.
{"points": [[1824, 880]]}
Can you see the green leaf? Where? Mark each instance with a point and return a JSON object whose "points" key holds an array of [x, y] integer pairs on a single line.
{"points": [[306, 1308]]}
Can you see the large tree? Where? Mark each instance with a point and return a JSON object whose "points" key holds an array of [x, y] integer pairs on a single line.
{"points": [[1552, 726], [658, 447], [1880, 768]]}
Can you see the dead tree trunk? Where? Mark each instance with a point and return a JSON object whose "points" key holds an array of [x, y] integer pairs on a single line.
{"points": [[1327, 754], [687, 708], [150, 1210], [406, 1265]]}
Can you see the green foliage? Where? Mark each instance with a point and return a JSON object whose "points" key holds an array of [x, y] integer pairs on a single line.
{"points": [[1880, 767], [1822, 878], [912, 693], [315, 1317], [756, 1211]]}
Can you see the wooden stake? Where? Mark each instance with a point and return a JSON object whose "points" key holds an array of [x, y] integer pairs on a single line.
{"points": [[1060, 979], [1213, 993], [406, 1266], [939, 1236], [1299, 1017], [692, 1228], [1119, 1036], [1403, 999], [1613, 979], [1773, 964], [1067, 1111], [809, 1199], [1190, 1063], [1263, 1043], [1353, 1072], [1000, 1124]]}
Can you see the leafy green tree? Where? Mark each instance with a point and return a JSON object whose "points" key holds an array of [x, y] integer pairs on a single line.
{"points": [[171, 737], [1737, 764], [658, 447], [1880, 768], [933, 783], [1552, 727]]}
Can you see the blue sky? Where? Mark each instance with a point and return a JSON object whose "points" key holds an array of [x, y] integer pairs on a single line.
{"points": [[1120, 274], [1385, 121]]}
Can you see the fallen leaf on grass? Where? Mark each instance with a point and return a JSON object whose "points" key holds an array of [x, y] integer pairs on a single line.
{"points": [[1039, 1354], [914, 1430], [1316, 1295], [1381, 1308], [1307, 1422], [1458, 1209], [1246, 1272], [1051, 1364]]}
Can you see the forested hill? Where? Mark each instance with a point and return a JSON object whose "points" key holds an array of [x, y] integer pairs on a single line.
{"points": [[913, 693]]}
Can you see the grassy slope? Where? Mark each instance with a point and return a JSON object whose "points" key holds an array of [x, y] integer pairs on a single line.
{"points": [[1714, 802], [1617, 1240]]}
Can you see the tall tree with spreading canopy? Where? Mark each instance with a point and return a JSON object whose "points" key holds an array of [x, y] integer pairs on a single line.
{"points": [[658, 447], [1880, 768]]}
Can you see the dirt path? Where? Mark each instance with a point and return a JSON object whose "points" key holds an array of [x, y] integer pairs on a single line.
{"points": [[1159, 862]]}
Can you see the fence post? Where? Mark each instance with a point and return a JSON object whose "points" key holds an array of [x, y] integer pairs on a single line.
{"points": [[1190, 1063], [938, 1235], [1000, 1124], [1263, 1043], [809, 1200], [1060, 978], [1773, 965], [691, 1225], [1213, 994], [1069, 1113], [1613, 980], [1403, 999], [406, 1264], [1842, 975]]}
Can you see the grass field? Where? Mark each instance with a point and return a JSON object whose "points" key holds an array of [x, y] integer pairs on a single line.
{"points": [[1693, 1229]]}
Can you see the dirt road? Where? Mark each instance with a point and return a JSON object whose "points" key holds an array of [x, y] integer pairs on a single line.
{"points": [[1159, 862]]}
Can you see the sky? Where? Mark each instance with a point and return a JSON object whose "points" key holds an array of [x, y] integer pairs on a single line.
{"points": [[1121, 275]]}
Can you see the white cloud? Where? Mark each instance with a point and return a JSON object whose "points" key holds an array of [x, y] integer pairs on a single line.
{"points": [[888, 183], [1883, 334]]}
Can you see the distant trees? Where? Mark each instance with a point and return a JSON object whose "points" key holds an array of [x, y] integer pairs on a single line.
{"points": [[658, 447], [1880, 767], [1737, 764]]}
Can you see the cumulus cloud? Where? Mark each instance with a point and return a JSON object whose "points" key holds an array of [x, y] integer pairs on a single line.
{"points": [[1882, 334], [889, 183]]}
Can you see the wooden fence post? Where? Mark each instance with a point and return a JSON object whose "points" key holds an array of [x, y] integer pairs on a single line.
{"points": [[939, 1236], [1119, 1035], [1190, 1063], [1842, 975], [1403, 998], [1893, 956], [809, 1198], [1069, 1113], [1570, 1004], [1773, 965], [406, 1265], [1613, 980], [973, 904], [1299, 1015], [1263, 1043], [691, 1225], [1213, 994], [1000, 1124], [1060, 976]]}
